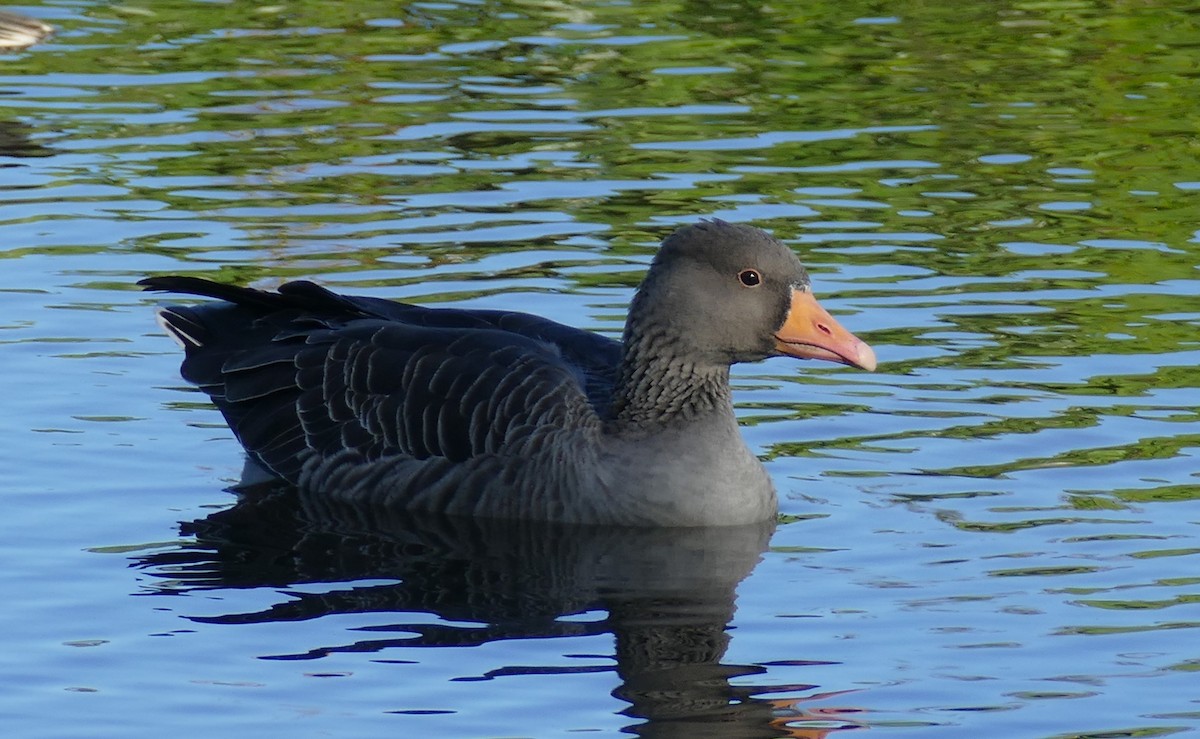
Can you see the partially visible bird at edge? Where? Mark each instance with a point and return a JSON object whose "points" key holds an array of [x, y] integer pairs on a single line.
{"points": [[20, 31]]}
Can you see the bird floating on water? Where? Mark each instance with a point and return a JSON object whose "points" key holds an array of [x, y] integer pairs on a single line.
{"points": [[503, 414]]}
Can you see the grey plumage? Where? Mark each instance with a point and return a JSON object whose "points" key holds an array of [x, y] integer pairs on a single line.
{"points": [[504, 414]]}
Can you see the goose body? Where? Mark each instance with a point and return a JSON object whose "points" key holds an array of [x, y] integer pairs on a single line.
{"points": [[507, 415]]}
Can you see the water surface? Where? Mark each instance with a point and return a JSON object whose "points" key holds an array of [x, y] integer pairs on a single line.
{"points": [[996, 533]]}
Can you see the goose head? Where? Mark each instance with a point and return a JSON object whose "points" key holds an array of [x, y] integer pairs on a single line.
{"points": [[719, 293]]}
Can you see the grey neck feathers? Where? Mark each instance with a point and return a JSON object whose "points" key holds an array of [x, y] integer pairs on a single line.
{"points": [[655, 388]]}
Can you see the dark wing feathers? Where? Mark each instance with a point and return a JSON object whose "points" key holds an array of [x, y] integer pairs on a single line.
{"points": [[591, 356], [305, 371]]}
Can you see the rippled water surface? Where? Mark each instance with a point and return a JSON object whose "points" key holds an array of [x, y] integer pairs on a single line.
{"points": [[996, 534]]}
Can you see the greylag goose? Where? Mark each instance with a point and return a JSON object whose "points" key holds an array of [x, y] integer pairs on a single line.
{"points": [[507, 415]]}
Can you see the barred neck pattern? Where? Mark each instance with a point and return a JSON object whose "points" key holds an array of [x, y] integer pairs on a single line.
{"points": [[655, 388]]}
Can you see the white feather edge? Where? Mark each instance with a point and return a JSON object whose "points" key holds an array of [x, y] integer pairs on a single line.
{"points": [[179, 336]]}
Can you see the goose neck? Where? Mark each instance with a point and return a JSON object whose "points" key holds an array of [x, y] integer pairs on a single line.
{"points": [[656, 388]]}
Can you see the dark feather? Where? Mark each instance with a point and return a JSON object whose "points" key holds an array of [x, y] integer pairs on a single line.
{"points": [[305, 372]]}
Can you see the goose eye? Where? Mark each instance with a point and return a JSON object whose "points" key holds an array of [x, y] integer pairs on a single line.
{"points": [[750, 277]]}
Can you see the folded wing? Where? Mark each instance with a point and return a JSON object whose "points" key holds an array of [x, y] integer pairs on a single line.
{"points": [[305, 372]]}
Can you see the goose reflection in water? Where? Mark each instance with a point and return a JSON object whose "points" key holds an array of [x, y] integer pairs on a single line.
{"points": [[669, 594]]}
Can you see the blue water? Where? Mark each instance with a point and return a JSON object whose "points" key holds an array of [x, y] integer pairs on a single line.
{"points": [[997, 533]]}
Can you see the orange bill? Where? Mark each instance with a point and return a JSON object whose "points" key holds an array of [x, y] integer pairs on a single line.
{"points": [[809, 332]]}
